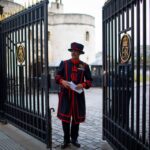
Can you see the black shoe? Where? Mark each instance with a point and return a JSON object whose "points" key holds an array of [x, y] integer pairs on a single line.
{"points": [[75, 143], [65, 145]]}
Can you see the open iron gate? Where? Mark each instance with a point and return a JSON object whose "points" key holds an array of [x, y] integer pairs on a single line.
{"points": [[126, 64], [24, 71]]}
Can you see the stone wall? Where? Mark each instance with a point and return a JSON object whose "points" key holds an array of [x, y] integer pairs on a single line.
{"points": [[67, 28]]}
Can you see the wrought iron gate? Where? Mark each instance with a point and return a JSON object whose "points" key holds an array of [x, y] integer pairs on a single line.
{"points": [[126, 64], [24, 71]]}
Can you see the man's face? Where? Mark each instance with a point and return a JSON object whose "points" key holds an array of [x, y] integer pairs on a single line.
{"points": [[75, 54]]}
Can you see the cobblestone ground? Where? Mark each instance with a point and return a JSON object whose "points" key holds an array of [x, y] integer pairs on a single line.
{"points": [[6, 143], [90, 135]]}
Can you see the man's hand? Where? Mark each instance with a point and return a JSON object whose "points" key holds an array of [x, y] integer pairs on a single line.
{"points": [[79, 86], [65, 84]]}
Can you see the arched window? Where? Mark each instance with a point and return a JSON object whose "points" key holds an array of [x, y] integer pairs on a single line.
{"points": [[87, 36], [49, 35]]}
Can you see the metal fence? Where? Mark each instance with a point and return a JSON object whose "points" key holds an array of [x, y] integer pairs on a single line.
{"points": [[126, 86], [24, 71]]}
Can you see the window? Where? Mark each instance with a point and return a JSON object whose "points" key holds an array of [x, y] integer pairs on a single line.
{"points": [[57, 5], [87, 36], [49, 35]]}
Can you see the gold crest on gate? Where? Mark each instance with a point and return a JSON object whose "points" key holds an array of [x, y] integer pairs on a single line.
{"points": [[125, 50], [20, 54]]}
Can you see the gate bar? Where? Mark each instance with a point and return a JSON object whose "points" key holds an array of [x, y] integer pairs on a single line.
{"points": [[48, 123], [144, 74], [138, 69]]}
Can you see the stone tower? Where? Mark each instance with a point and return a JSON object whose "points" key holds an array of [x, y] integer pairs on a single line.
{"points": [[56, 7]]}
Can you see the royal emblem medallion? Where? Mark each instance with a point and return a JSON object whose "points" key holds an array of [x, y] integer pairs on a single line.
{"points": [[125, 50], [20, 54]]}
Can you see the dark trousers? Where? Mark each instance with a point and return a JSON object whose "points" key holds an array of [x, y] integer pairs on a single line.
{"points": [[74, 131]]}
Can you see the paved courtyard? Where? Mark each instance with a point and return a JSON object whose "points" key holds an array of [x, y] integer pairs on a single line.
{"points": [[90, 135]]}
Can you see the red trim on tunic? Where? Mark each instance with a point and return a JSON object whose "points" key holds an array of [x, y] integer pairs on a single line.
{"points": [[81, 119], [70, 102], [58, 78], [73, 108], [60, 97], [60, 81], [63, 120], [66, 68], [69, 93], [89, 83], [59, 112], [71, 105], [73, 114], [75, 61], [65, 115], [84, 85], [60, 102], [81, 77], [74, 73]]}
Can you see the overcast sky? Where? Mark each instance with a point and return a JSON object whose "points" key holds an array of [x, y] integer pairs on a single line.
{"points": [[91, 7]]}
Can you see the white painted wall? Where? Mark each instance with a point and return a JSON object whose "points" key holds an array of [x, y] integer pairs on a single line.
{"points": [[55, 8], [9, 6], [68, 28]]}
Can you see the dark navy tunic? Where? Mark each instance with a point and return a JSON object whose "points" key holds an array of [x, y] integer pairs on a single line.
{"points": [[71, 103]]}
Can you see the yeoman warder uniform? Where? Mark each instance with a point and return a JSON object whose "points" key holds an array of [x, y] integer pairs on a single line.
{"points": [[71, 107]]}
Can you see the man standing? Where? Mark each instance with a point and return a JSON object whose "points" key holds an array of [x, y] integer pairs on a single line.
{"points": [[71, 108]]}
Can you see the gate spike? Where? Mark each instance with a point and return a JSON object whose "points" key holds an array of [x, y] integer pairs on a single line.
{"points": [[0, 17], [25, 5], [14, 12], [6, 15], [9, 14], [22, 8], [29, 4], [17, 10], [32, 2]]}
